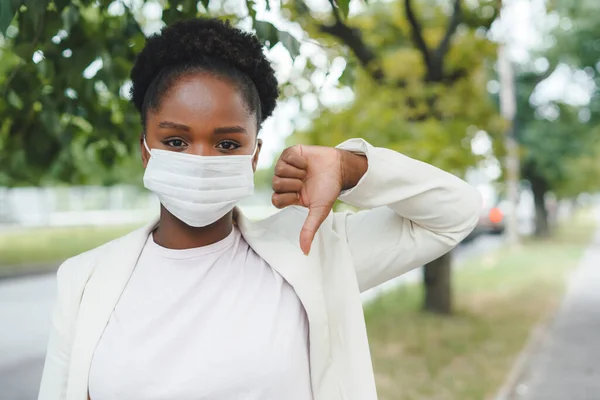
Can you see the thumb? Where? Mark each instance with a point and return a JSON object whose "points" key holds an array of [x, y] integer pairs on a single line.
{"points": [[316, 216]]}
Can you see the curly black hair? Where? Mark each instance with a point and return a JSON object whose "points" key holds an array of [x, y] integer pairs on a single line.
{"points": [[204, 45]]}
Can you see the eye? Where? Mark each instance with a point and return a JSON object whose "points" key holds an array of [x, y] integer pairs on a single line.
{"points": [[228, 145], [175, 143]]}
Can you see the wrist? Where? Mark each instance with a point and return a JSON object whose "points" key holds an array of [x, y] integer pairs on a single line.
{"points": [[354, 167]]}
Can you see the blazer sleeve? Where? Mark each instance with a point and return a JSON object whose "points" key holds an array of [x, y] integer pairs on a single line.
{"points": [[56, 368], [415, 214]]}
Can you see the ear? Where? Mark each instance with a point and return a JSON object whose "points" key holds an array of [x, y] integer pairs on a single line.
{"points": [[259, 143], [144, 152]]}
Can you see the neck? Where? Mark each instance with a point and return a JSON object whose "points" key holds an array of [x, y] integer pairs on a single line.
{"points": [[174, 234]]}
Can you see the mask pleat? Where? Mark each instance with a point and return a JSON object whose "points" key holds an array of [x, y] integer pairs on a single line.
{"points": [[199, 190]]}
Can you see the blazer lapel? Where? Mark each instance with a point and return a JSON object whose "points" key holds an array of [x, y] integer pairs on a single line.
{"points": [[113, 271], [108, 280], [303, 273]]}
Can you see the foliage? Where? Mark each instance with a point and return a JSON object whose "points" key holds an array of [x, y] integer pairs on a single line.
{"points": [[64, 82], [560, 141], [65, 66], [583, 173], [422, 94], [418, 73], [56, 123]]}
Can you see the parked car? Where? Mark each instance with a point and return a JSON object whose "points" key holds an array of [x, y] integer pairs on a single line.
{"points": [[491, 218], [496, 212]]}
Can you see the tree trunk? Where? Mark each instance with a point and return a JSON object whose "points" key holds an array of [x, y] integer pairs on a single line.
{"points": [[539, 188], [438, 285]]}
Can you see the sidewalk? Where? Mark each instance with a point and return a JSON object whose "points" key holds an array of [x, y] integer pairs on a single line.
{"points": [[566, 365]]}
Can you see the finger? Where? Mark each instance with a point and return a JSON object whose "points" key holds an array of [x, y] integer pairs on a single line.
{"points": [[282, 200], [293, 156], [286, 185], [316, 216], [286, 170]]}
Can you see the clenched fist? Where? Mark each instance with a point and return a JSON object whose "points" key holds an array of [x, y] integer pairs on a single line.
{"points": [[313, 177]]}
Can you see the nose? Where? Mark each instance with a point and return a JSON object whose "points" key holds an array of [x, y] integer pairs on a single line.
{"points": [[202, 149]]}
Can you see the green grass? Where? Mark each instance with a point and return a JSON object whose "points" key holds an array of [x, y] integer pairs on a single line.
{"points": [[499, 299], [25, 247]]}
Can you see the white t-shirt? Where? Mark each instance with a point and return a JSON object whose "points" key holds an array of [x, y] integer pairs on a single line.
{"points": [[209, 323]]}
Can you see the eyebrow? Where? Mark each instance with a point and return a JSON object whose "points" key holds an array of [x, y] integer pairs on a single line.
{"points": [[173, 125], [220, 130], [229, 129]]}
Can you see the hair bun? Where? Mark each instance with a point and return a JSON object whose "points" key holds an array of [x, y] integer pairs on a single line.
{"points": [[191, 41]]}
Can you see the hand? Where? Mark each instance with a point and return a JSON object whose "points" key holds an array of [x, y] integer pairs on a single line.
{"points": [[313, 177]]}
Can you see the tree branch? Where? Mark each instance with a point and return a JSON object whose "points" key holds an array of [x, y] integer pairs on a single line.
{"points": [[455, 20], [417, 34], [352, 37], [336, 12]]}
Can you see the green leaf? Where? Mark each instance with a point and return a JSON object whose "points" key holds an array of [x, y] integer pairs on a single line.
{"points": [[35, 11], [82, 124], [61, 4], [70, 17], [251, 11], [24, 51], [205, 3], [348, 76], [344, 6], [189, 7], [6, 15], [290, 43], [267, 33], [14, 100], [171, 15]]}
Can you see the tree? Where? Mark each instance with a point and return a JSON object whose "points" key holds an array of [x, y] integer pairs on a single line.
{"points": [[419, 82], [560, 141], [64, 80], [418, 70]]}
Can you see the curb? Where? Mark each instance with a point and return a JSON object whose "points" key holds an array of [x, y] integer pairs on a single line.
{"points": [[519, 368]]}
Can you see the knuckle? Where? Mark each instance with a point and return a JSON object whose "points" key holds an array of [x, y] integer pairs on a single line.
{"points": [[289, 153], [276, 200], [286, 152], [279, 168]]}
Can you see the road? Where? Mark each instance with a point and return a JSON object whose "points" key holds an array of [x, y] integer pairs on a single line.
{"points": [[25, 306]]}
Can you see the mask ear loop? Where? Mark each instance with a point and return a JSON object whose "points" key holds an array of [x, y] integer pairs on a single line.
{"points": [[146, 145], [255, 149]]}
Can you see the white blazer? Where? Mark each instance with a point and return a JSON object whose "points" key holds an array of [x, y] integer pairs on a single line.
{"points": [[416, 213]]}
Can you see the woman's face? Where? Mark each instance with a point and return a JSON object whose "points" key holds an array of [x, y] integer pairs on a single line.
{"points": [[202, 115]]}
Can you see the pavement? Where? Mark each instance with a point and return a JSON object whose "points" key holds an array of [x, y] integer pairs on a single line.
{"points": [[566, 364], [25, 307]]}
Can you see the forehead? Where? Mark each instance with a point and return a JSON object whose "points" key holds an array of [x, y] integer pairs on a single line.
{"points": [[204, 102]]}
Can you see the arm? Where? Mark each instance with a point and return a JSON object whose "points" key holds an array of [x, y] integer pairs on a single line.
{"points": [[417, 213], [58, 355]]}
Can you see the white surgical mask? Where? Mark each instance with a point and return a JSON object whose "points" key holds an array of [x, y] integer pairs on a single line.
{"points": [[198, 190]]}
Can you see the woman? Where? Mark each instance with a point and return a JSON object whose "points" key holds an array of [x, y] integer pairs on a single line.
{"points": [[204, 304]]}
